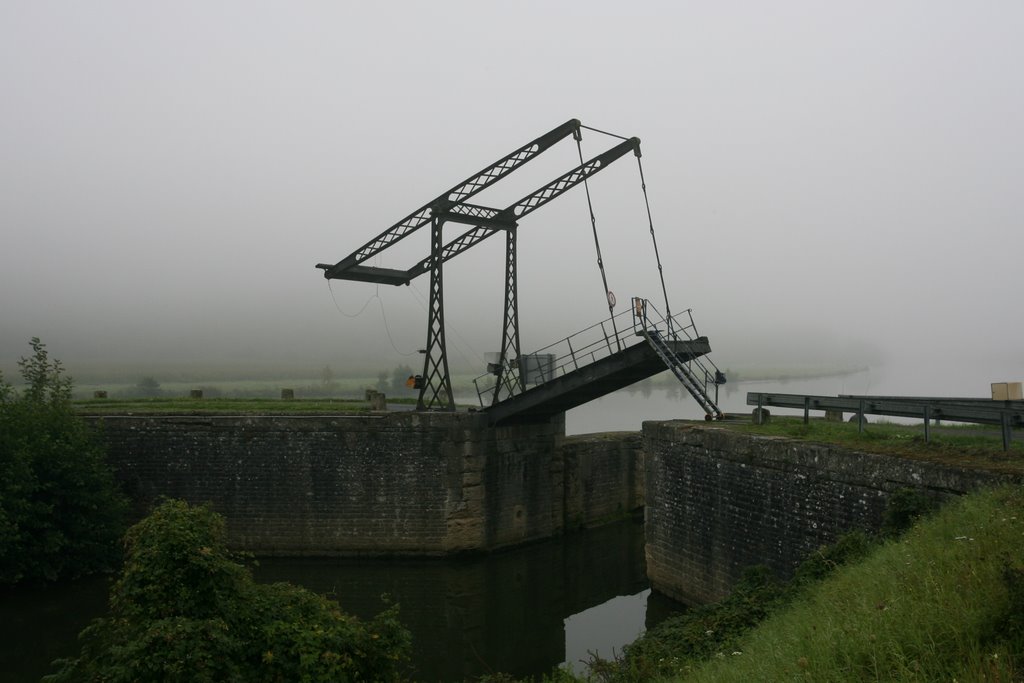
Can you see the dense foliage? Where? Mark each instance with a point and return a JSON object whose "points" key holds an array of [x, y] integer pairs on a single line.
{"points": [[61, 513], [185, 609]]}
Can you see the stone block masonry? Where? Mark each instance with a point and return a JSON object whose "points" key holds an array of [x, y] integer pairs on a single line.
{"points": [[719, 501], [715, 501], [394, 484], [603, 477]]}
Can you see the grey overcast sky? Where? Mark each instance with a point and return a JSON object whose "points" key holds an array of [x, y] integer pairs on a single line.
{"points": [[841, 176]]}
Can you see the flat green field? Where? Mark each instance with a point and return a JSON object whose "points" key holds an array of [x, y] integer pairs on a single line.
{"points": [[224, 406]]}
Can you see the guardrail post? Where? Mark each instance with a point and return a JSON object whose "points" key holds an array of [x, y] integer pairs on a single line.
{"points": [[807, 409], [1004, 420], [927, 422], [860, 417]]}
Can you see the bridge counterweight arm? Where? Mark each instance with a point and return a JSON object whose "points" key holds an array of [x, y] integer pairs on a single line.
{"points": [[464, 190], [524, 206], [567, 181]]}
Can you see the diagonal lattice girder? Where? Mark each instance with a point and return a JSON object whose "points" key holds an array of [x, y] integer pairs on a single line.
{"points": [[461, 192]]}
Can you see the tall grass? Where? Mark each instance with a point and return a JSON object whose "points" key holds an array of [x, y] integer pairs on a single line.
{"points": [[943, 603]]}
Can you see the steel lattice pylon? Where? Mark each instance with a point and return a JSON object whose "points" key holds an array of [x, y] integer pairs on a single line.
{"points": [[452, 207], [509, 381], [436, 387]]}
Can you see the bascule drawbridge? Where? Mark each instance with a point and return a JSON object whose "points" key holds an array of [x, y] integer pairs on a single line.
{"points": [[614, 353]]}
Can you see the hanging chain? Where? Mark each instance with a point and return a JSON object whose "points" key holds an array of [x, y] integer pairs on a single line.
{"points": [[597, 247], [654, 241]]}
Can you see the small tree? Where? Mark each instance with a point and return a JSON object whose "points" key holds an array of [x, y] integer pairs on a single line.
{"points": [[185, 609], [149, 387], [399, 376], [61, 512]]}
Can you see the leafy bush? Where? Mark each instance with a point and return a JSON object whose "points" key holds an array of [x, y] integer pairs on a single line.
{"points": [[61, 512], [905, 507], [186, 609], [848, 548]]}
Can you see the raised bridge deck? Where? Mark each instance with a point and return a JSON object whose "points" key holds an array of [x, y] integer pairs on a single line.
{"points": [[601, 377], [603, 358]]}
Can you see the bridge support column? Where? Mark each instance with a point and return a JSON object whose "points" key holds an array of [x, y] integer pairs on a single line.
{"points": [[508, 378], [436, 390]]}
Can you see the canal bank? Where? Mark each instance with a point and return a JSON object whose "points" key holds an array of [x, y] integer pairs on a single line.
{"points": [[712, 497]]}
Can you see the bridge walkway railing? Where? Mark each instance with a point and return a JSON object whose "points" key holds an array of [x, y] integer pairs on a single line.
{"points": [[591, 344]]}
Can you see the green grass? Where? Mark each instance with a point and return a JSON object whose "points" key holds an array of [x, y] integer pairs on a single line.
{"points": [[943, 603], [976, 446], [221, 406]]}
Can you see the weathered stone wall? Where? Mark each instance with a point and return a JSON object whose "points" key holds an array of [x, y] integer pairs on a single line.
{"points": [[603, 477], [397, 483], [293, 485], [719, 501]]}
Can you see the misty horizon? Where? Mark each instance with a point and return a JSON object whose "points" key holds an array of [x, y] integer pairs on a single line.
{"points": [[829, 184]]}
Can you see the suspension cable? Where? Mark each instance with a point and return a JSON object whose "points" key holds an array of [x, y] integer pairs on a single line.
{"points": [[604, 132], [654, 241], [597, 247]]}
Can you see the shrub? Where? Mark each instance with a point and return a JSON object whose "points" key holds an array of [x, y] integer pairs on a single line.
{"points": [[61, 512], [186, 609], [905, 507]]}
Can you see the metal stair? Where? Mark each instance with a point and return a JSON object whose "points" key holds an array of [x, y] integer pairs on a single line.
{"points": [[684, 374], [694, 375]]}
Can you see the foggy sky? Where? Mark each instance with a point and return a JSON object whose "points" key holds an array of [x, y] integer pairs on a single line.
{"points": [[826, 179]]}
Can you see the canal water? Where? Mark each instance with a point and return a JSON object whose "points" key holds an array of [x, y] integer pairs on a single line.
{"points": [[523, 611]]}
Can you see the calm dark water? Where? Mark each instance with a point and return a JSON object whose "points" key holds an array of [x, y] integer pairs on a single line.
{"points": [[38, 625], [522, 611], [512, 611]]}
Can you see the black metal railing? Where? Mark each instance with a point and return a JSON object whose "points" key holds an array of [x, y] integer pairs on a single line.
{"points": [[592, 344], [680, 326]]}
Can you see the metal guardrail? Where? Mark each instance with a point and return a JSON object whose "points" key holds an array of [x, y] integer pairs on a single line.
{"points": [[589, 345], [1008, 415]]}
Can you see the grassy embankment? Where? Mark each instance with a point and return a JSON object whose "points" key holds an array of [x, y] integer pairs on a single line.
{"points": [[943, 602]]}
